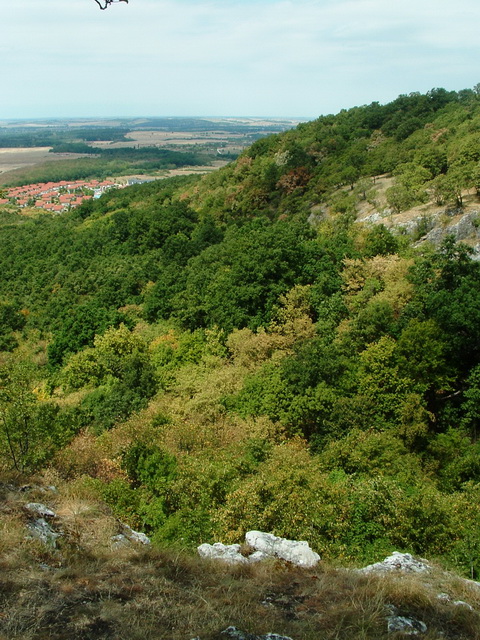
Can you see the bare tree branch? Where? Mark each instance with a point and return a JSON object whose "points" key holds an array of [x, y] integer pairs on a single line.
{"points": [[104, 4]]}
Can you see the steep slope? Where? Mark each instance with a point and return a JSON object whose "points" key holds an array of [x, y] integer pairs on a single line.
{"points": [[91, 586], [232, 353]]}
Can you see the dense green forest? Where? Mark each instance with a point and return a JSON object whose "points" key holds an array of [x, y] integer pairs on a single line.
{"points": [[41, 136], [236, 352]]}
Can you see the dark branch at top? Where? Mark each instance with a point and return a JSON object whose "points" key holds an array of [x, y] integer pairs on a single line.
{"points": [[104, 4]]}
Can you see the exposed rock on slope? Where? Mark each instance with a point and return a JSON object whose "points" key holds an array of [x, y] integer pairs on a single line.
{"points": [[265, 545], [404, 562]]}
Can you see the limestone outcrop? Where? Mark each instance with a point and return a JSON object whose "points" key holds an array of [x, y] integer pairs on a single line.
{"points": [[264, 545], [297, 552], [400, 562], [229, 553]]}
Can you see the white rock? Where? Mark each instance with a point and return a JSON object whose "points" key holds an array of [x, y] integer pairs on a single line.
{"points": [[397, 562], [407, 626], [119, 541], [229, 553], [257, 556], [136, 536], [40, 510], [41, 530], [296, 552], [128, 536]]}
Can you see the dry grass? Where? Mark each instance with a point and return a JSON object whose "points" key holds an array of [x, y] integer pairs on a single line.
{"points": [[153, 594], [87, 590]]}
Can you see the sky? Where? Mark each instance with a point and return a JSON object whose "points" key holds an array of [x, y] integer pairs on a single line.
{"points": [[264, 58]]}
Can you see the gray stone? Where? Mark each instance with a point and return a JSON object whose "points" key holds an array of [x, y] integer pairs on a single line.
{"points": [[40, 510], [129, 536], [471, 583], [41, 530], [297, 552], [401, 562], [407, 626], [120, 541], [229, 553], [265, 546], [50, 488], [372, 218], [461, 603], [466, 227], [135, 536]]}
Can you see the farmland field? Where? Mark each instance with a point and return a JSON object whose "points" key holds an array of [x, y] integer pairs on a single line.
{"points": [[94, 147], [18, 158]]}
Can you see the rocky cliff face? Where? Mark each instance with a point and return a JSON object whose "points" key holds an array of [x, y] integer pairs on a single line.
{"points": [[427, 222]]}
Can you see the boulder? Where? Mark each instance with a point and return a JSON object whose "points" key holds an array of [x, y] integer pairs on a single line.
{"points": [[120, 541], [41, 530], [229, 553], [265, 545], [128, 536], [135, 536], [39, 509], [297, 552], [401, 562]]}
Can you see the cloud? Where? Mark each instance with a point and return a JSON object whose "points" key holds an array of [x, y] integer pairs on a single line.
{"points": [[242, 56]]}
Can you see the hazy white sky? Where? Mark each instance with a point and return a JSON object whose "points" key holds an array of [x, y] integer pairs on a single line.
{"points": [[233, 57]]}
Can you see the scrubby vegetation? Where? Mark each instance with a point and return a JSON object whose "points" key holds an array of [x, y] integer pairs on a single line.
{"points": [[231, 353], [87, 590]]}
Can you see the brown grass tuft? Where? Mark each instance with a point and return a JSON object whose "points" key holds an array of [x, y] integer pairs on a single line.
{"points": [[87, 589]]}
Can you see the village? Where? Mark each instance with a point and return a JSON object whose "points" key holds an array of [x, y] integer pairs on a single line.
{"points": [[57, 197]]}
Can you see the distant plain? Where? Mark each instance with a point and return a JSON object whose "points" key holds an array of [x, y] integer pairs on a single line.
{"points": [[216, 137]]}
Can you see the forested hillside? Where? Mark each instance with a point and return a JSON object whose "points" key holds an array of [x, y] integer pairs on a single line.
{"points": [[237, 352]]}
